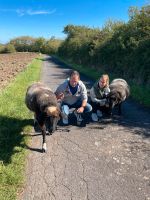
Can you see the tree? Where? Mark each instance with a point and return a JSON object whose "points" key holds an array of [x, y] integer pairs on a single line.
{"points": [[23, 43]]}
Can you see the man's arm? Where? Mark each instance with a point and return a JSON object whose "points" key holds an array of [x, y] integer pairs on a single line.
{"points": [[84, 102], [83, 92], [83, 98], [60, 91], [81, 109]]}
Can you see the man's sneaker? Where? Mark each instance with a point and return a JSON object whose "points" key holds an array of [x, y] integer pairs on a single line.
{"points": [[65, 113], [65, 109], [99, 113], [79, 118], [65, 120], [94, 117]]}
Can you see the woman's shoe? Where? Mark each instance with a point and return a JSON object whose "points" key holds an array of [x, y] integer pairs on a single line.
{"points": [[99, 113], [94, 117]]}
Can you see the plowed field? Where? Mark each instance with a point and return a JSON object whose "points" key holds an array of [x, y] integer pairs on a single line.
{"points": [[12, 64]]}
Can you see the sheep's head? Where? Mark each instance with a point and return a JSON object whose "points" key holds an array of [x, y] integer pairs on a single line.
{"points": [[53, 114], [113, 99]]}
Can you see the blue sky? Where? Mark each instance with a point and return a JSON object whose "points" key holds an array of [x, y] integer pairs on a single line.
{"points": [[46, 18]]}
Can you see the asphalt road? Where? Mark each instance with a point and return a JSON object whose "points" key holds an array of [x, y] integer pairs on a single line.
{"points": [[108, 160]]}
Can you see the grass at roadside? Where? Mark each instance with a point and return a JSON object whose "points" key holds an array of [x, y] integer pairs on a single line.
{"points": [[140, 94], [14, 124]]}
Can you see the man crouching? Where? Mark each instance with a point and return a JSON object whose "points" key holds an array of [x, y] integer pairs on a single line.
{"points": [[73, 94]]}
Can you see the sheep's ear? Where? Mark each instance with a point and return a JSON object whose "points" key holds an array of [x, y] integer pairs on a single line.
{"points": [[119, 97], [51, 110], [57, 112]]}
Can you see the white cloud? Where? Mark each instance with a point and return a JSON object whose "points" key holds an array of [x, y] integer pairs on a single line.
{"points": [[40, 12], [22, 12]]}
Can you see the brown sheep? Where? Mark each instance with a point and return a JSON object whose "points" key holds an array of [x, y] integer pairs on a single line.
{"points": [[42, 101]]}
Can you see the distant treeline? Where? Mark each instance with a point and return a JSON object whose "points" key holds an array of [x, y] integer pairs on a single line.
{"points": [[30, 44], [119, 48]]}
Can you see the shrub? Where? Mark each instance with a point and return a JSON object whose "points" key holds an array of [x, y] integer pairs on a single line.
{"points": [[9, 48]]}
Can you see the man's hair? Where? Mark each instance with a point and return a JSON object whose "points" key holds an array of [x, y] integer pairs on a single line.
{"points": [[74, 73]]}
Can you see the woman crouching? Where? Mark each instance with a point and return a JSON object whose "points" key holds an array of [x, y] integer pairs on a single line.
{"points": [[98, 94]]}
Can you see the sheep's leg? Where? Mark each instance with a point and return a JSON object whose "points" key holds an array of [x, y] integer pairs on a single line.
{"points": [[34, 116], [44, 148], [119, 109], [35, 120]]}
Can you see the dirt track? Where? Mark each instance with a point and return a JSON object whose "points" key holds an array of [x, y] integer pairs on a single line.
{"points": [[102, 161]]}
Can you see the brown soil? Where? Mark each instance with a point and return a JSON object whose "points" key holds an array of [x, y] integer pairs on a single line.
{"points": [[12, 64]]}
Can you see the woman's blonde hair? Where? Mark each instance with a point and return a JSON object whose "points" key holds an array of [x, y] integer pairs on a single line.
{"points": [[105, 77]]}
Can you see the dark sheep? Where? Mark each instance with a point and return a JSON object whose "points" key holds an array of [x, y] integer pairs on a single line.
{"points": [[42, 101], [119, 92]]}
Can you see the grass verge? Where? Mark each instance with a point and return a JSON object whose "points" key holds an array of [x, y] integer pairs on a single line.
{"points": [[140, 94], [14, 124]]}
